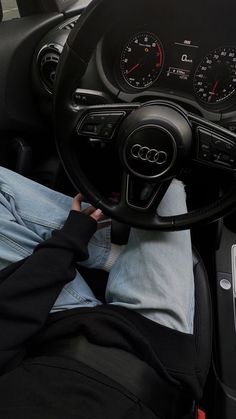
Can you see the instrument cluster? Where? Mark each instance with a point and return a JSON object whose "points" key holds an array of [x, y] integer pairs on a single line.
{"points": [[190, 63]]}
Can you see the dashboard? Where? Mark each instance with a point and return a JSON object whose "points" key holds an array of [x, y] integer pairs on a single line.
{"points": [[181, 52], [144, 63], [168, 50]]}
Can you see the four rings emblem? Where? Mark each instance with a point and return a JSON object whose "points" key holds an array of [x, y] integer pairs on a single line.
{"points": [[150, 155]]}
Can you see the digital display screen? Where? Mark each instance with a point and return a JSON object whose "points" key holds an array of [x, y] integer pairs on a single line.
{"points": [[182, 60]]}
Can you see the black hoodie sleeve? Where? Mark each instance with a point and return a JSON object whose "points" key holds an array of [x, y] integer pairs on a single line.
{"points": [[29, 288]]}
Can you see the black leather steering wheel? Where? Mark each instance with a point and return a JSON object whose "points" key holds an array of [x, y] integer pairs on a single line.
{"points": [[154, 140]]}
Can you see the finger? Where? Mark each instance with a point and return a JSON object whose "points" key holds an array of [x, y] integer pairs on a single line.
{"points": [[89, 210], [79, 197], [76, 203], [97, 215]]}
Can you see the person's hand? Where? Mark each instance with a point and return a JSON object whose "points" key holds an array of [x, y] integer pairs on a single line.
{"points": [[92, 212]]}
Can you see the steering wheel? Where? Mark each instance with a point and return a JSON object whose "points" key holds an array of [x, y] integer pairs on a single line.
{"points": [[153, 141]]}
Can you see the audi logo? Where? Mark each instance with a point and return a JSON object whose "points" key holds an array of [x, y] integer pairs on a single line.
{"points": [[151, 155]]}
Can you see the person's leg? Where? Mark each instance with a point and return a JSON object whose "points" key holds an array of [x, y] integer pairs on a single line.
{"points": [[154, 274], [38, 210], [29, 212]]}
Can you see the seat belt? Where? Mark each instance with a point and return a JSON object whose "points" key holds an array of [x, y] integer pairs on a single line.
{"points": [[122, 367]]}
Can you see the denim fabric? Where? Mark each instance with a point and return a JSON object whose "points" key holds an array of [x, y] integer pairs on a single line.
{"points": [[153, 274]]}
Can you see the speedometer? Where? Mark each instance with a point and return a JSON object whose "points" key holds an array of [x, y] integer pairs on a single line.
{"points": [[142, 60], [215, 78]]}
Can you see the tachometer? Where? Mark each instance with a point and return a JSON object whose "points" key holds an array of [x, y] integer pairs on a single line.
{"points": [[142, 60], [215, 78]]}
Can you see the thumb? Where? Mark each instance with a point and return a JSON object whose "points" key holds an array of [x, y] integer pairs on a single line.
{"points": [[76, 203]]}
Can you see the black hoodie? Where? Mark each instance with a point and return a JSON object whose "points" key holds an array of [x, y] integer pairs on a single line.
{"points": [[55, 387]]}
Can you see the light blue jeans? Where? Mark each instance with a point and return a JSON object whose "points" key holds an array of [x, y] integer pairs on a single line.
{"points": [[152, 274]]}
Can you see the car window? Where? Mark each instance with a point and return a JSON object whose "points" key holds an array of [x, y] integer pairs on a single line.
{"points": [[10, 9]]}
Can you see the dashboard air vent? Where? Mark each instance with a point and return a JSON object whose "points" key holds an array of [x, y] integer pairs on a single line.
{"points": [[47, 61]]}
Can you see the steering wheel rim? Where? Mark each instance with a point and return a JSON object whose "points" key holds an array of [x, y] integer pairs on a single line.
{"points": [[72, 66]]}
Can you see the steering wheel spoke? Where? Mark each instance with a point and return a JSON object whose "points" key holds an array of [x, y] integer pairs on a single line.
{"points": [[139, 200], [215, 145], [142, 195]]}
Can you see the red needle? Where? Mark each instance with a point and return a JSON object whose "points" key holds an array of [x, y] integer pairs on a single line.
{"points": [[133, 68], [159, 53], [213, 91]]}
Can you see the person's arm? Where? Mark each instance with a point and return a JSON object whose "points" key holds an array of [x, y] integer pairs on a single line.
{"points": [[29, 288]]}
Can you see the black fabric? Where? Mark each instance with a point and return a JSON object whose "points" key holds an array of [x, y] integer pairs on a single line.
{"points": [[171, 353], [29, 288], [123, 367], [62, 388], [59, 388]]}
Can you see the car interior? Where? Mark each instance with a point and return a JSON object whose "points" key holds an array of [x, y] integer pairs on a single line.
{"points": [[115, 98]]}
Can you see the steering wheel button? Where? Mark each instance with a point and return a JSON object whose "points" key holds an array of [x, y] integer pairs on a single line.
{"points": [[115, 117], [92, 129], [107, 131], [223, 145], [109, 126], [225, 158], [206, 155], [205, 147], [204, 136], [100, 124], [231, 149], [96, 118]]}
